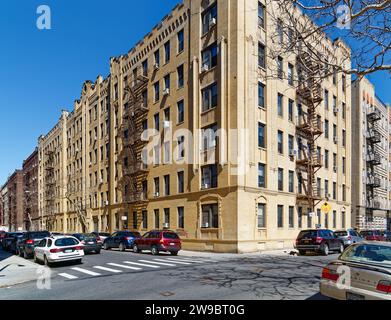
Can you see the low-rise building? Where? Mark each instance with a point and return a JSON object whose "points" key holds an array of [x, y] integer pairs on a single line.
{"points": [[15, 201], [30, 192]]}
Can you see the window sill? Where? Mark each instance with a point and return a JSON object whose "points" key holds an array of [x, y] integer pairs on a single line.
{"points": [[208, 110], [209, 229]]}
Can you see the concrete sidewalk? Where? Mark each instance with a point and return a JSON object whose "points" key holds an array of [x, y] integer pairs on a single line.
{"points": [[15, 270], [216, 255]]}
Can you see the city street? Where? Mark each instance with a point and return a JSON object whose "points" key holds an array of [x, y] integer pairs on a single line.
{"points": [[190, 275]]}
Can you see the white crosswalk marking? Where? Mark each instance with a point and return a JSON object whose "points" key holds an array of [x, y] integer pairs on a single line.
{"points": [[141, 264], [107, 269], [185, 260], [160, 263], [68, 276], [122, 266], [91, 273], [187, 263]]}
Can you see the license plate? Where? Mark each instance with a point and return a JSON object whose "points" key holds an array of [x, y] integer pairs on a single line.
{"points": [[68, 251], [307, 241], [353, 296], [172, 244], [91, 242]]}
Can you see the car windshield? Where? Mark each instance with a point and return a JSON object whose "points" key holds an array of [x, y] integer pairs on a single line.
{"points": [[132, 234], [65, 242], [368, 253], [104, 234], [308, 234], [341, 233], [39, 235], [367, 233], [170, 235]]}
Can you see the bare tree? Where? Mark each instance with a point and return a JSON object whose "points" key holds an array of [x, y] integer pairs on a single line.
{"points": [[363, 25]]}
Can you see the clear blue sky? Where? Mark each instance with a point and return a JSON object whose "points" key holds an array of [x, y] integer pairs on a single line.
{"points": [[42, 72]]}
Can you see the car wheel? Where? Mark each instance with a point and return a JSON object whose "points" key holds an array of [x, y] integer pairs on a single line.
{"points": [[25, 255], [302, 252], [78, 261], [154, 250], [122, 247], [106, 246], [36, 259], [46, 261], [20, 252], [325, 249], [136, 249], [97, 251], [341, 248], [174, 253]]}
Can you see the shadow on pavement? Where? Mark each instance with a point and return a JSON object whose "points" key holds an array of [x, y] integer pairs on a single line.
{"points": [[318, 296]]}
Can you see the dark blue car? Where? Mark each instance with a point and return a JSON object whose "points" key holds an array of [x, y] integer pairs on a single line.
{"points": [[121, 239]]}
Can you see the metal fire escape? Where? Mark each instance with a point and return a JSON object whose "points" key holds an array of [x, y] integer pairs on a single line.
{"points": [[50, 190], [309, 128], [373, 159], [134, 171]]}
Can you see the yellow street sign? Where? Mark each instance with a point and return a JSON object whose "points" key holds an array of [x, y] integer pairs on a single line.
{"points": [[326, 208]]}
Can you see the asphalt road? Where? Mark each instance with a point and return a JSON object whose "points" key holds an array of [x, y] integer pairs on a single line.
{"points": [[126, 275]]}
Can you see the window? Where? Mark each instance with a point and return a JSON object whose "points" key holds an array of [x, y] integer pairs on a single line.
{"points": [[291, 143], [157, 186], [167, 52], [145, 67], [180, 76], [209, 57], [157, 57], [209, 97], [280, 179], [319, 215], [280, 31], [167, 82], [334, 162], [181, 147], [157, 121], [209, 18], [326, 129], [280, 107], [181, 182], [280, 216], [145, 219], [326, 99], [181, 111], [343, 83], [291, 217], [291, 181], [343, 165], [261, 175], [181, 41], [261, 15], [261, 56], [290, 110], [343, 218], [167, 217], [334, 104], [209, 137], [334, 219], [280, 145], [157, 218], [167, 185], [326, 159], [209, 177], [309, 220], [343, 110], [167, 152], [261, 95], [181, 217], [135, 222], [156, 88], [290, 74], [343, 138], [280, 69], [261, 215], [334, 190], [326, 188], [335, 133], [300, 217], [261, 135]]}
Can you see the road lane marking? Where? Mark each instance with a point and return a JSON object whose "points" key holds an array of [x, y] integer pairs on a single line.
{"points": [[107, 269], [194, 261], [122, 266], [68, 276], [187, 263], [141, 264], [91, 273], [163, 264]]}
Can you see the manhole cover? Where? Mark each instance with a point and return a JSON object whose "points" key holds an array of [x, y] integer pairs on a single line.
{"points": [[167, 294]]}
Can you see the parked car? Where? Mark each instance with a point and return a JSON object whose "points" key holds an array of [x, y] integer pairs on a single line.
{"points": [[157, 241], [2, 235], [387, 235], [373, 235], [26, 244], [121, 239], [9, 241], [318, 240], [58, 249], [369, 266], [101, 236], [89, 242], [348, 237], [56, 234]]}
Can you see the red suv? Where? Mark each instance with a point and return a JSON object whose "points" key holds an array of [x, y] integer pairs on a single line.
{"points": [[318, 240], [158, 240], [373, 235]]}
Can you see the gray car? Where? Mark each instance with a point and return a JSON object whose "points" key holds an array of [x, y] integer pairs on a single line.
{"points": [[349, 237]]}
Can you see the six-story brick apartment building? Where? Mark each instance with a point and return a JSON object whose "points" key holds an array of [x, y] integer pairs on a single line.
{"points": [[203, 70]]}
